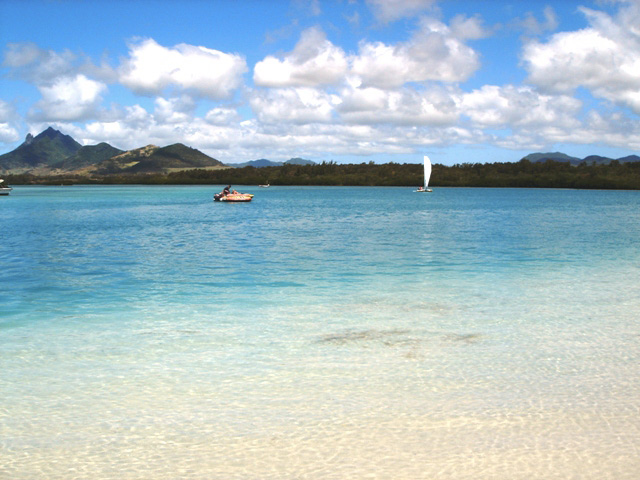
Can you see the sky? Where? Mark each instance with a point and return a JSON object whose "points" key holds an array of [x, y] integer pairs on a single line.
{"points": [[348, 81]]}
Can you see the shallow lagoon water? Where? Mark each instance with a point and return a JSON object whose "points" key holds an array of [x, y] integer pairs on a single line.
{"points": [[319, 333]]}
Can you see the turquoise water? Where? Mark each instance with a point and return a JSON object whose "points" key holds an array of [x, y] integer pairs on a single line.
{"points": [[319, 333]]}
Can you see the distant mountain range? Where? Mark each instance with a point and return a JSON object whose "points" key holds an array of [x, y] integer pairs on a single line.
{"points": [[263, 162], [52, 152], [590, 160]]}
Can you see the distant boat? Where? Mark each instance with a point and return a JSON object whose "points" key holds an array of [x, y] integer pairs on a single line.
{"points": [[427, 176], [265, 186], [4, 189]]}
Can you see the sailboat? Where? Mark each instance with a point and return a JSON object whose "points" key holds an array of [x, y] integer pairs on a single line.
{"points": [[427, 175], [4, 189]]}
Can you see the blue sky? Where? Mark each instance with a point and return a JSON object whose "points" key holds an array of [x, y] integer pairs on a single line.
{"points": [[348, 81]]}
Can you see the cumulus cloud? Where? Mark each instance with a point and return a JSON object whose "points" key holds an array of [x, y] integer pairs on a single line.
{"points": [[314, 61], [68, 92], [518, 107], [319, 100], [401, 107], [152, 68], [293, 105], [8, 132], [468, 28], [436, 52], [613, 129], [391, 10], [222, 116], [604, 58], [433, 54], [68, 99], [174, 110]]}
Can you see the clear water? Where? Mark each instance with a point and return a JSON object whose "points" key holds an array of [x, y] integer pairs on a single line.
{"points": [[319, 333]]}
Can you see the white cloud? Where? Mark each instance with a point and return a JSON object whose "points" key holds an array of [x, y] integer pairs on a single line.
{"points": [[468, 28], [174, 110], [613, 129], [210, 73], [293, 105], [319, 100], [222, 116], [391, 10], [433, 54], [399, 107], [314, 61], [604, 58], [8, 132], [519, 107], [68, 99]]}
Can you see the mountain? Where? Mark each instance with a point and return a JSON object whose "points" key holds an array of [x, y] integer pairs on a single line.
{"points": [[589, 160], [555, 156], [598, 160], [263, 162], [629, 158], [44, 150], [153, 159], [299, 161], [87, 156], [52, 152]]}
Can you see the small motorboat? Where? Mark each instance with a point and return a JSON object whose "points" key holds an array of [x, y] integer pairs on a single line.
{"points": [[4, 189], [264, 186], [233, 197]]}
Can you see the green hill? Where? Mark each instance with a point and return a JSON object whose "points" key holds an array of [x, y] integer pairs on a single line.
{"points": [[87, 156], [153, 159]]}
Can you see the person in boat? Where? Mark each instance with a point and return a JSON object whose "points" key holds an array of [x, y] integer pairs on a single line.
{"points": [[226, 190]]}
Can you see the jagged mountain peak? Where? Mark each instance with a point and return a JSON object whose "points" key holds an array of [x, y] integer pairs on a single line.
{"points": [[45, 149]]}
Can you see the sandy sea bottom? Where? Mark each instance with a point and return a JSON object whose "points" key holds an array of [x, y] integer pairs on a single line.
{"points": [[364, 360]]}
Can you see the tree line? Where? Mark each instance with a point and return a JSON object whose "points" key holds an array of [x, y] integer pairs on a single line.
{"points": [[523, 174]]}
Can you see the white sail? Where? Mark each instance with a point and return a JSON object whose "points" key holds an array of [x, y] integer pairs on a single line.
{"points": [[427, 171]]}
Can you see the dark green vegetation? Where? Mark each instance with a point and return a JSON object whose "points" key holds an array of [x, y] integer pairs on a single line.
{"points": [[549, 174]]}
